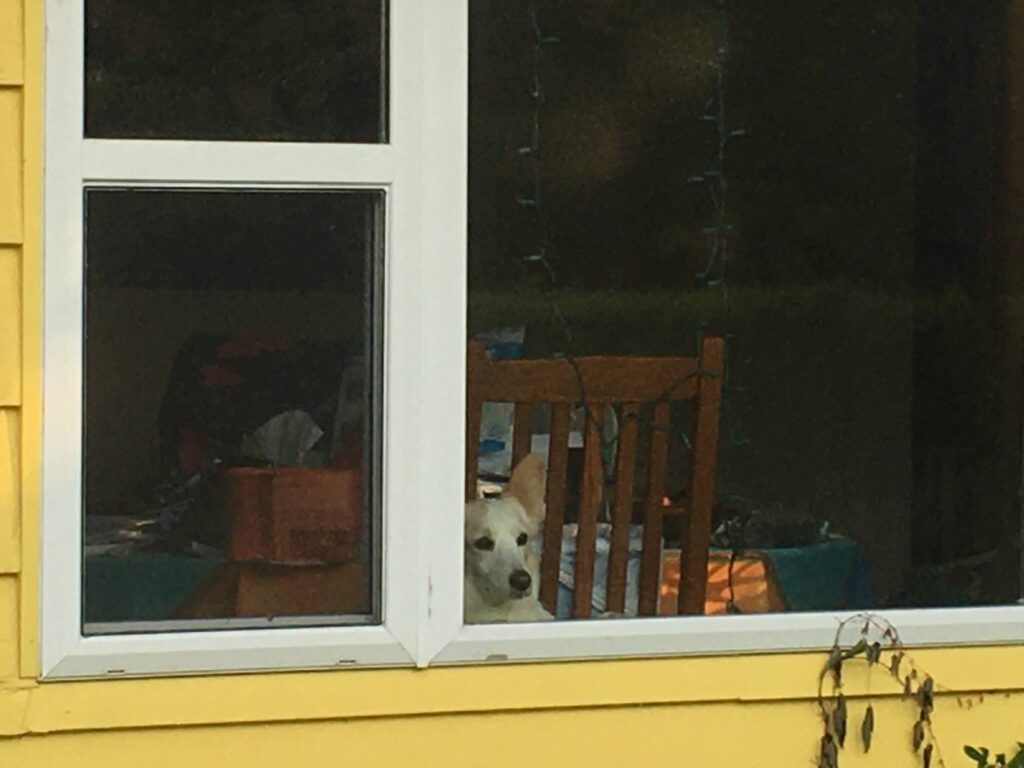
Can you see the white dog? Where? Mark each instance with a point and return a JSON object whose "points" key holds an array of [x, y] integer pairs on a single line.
{"points": [[502, 569]]}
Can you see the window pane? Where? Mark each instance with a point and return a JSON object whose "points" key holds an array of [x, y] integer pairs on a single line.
{"points": [[821, 186], [238, 70], [231, 408]]}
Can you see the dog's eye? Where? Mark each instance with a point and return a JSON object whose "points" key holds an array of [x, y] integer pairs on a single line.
{"points": [[484, 542], [522, 539]]}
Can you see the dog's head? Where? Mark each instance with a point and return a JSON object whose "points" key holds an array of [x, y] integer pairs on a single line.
{"points": [[498, 535]]}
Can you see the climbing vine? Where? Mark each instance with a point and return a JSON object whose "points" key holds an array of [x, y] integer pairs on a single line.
{"points": [[878, 644]]}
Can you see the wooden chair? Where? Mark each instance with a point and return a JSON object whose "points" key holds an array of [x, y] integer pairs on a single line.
{"points": [[639, 389]]}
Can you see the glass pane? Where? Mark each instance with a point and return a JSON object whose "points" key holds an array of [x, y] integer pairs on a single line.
{"points": [[821, 186], [237, 70], [231, 408]]}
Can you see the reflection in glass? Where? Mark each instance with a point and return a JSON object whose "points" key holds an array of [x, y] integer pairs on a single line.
{"points": [[239, 70], [820, 186], [231, 435]]}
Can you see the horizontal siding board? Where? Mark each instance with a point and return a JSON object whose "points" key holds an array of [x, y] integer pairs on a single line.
{"points": [[11, 224], [10, 326], [10, 485], [391, 694], [12, 51], [726, 734]]}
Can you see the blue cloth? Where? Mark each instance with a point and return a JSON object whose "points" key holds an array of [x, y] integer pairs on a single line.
{"points": [[139, 587], [822, 577]]}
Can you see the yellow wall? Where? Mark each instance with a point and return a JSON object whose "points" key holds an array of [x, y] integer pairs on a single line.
{"points": [[725, 711]]}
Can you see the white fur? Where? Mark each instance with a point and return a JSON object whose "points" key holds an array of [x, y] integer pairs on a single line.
{"points": [[490, 594]]}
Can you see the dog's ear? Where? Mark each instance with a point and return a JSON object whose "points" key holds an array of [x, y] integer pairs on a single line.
{"points": [[527, 486]]}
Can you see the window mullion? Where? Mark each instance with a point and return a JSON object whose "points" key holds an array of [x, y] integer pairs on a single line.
{"points": [[429, 320]]}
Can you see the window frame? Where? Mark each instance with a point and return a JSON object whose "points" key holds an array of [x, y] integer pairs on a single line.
{"points": [[423, 173], [412, 170]]}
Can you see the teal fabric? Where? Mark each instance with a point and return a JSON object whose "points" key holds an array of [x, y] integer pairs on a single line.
{"points": [[823, 576], [139, 587]]}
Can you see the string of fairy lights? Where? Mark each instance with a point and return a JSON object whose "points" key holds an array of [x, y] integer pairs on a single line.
{"points": [[720, 231]]}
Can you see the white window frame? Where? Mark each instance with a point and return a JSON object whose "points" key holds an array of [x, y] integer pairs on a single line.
{"points": [[415, 170], [423, 172]]}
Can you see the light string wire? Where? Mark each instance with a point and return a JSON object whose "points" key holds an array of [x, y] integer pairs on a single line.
{"points": [[721, 233], [536, 202]]}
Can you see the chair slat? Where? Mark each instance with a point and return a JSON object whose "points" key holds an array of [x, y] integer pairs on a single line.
{"points": [[694, 560], [558, 462], [522, 431], [625, 470], [590, 501], [650, 563], [474, 408], [615, 381]]}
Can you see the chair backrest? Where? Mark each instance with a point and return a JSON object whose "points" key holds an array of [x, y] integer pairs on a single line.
{"points": [[639, 389]]}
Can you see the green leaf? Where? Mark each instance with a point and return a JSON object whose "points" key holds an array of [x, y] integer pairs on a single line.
{"points": [[926, 758], [858, 647], [874, 652], [978, 754], [839, 720], [918, 735], [894, 664], [928, 690], [829, 757], [867, 727]]}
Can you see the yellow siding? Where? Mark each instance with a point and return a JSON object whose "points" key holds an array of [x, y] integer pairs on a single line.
{"points": [[10, 166], [29, 422], [11, 49], [10, 483], [8, 629], [10, 326], [352, 694], [722, 735], [727, 711]]}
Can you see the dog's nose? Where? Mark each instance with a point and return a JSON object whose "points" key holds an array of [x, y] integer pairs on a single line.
{"points": [[519, 580]]}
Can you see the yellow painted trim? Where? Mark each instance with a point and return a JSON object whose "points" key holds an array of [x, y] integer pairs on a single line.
{"points": [[11, 46], [10, 326], [348, 694], [32, 340], [10, 166], [10, 504], [8, 628]]}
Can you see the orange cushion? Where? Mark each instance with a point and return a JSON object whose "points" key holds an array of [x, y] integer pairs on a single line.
{"points": [[755, 586]]}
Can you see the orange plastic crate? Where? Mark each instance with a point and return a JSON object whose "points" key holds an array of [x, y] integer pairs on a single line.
{"points": [[294, 515]]}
